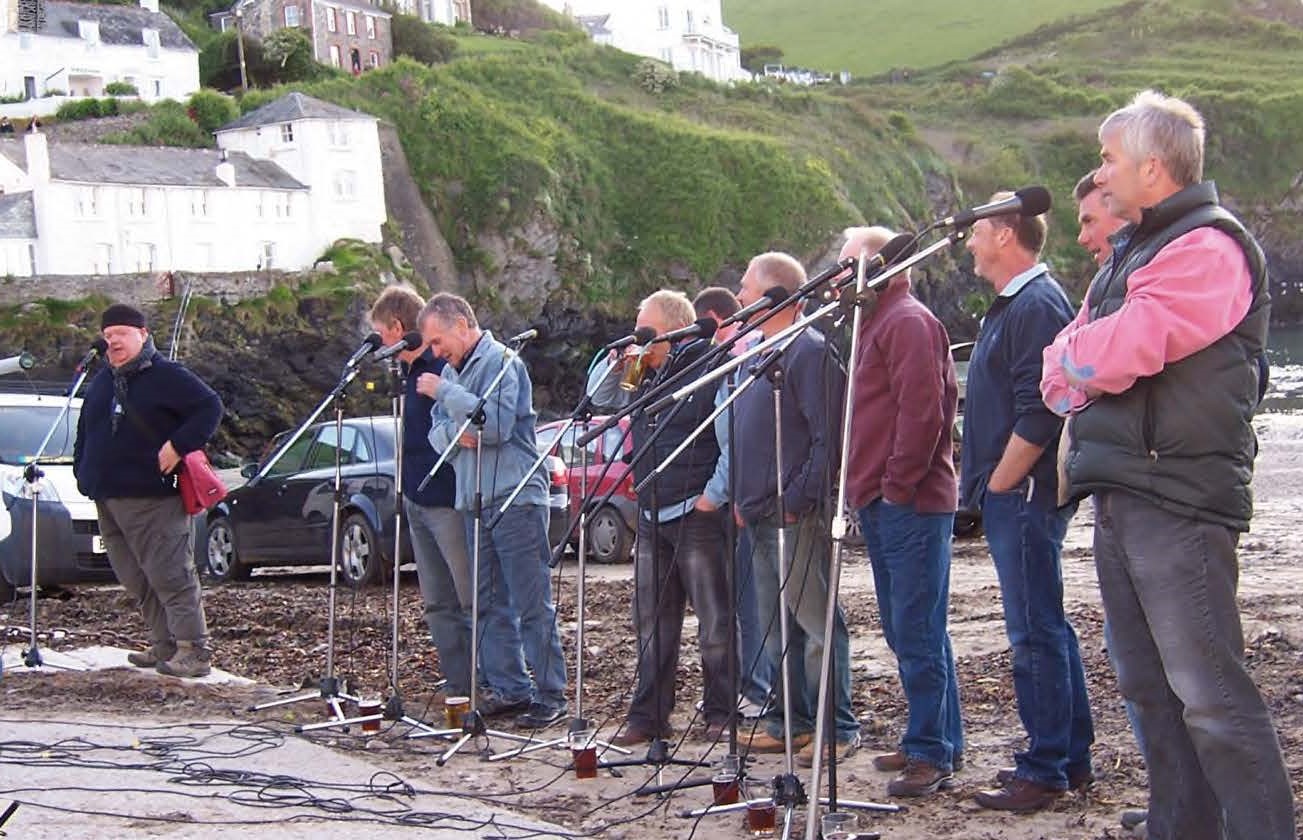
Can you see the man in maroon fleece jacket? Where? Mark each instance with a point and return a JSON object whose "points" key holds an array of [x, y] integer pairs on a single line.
{"points": [[901, 479]]}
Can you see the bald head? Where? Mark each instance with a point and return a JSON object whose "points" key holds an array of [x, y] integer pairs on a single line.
{"points": [[867, 241]]}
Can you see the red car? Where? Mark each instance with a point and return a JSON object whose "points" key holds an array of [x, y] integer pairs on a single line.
{"points": [[611, 528]]}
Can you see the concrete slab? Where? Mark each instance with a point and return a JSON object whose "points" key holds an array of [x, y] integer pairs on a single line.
{"points": [[214, 781], [99, 658]]}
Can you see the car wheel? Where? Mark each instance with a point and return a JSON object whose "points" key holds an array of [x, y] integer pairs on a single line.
{"points": [[360, 560], [609, 538], [221, 557]]}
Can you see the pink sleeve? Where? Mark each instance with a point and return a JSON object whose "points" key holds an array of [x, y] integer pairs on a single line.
{"points": [[1059, 396], [1192, 293]]}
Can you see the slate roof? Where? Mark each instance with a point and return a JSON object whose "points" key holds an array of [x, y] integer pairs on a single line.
{"points": [[152, 166], [292, 107], [119, 25], [595, 24], [17, 216]]}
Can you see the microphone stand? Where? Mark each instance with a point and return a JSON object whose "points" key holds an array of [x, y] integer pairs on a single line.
{"points": [[330, 687], [393, 709], [32, 475], [839, 529], [472, 722]]}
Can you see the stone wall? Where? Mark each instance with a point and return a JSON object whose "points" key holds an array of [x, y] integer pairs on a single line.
{"points": [[146, 288]]}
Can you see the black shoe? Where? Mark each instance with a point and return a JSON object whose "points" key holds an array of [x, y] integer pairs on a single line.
{"points": [[541, 715], [492, 705]]}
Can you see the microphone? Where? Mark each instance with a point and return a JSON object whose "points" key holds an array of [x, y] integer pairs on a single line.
{"points": [[703, 327], [97, 348], [15, 364], [1028, 201], [525, 336], [368, 345], [641, 336], [409, 341], [773, 296]]}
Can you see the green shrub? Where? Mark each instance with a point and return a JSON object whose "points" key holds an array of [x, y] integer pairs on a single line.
{"points": [[168, 125], [121, 89], [422, 41], [211, 110], [655, 76], [87, 109]]}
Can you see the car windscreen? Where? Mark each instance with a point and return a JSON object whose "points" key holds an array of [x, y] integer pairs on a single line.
{"points": [[22, 428]]}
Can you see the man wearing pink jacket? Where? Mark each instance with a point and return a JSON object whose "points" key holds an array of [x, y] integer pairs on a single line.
{"points": [[1160, 375]]}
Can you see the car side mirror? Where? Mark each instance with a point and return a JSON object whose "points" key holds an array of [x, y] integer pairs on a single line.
{"points": [[249, 470]]}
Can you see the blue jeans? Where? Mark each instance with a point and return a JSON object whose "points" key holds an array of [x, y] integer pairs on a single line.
{"points": [[443, 570], [910, 555], [1026, 541], [805, 595], [517, 616], [757, 669]]}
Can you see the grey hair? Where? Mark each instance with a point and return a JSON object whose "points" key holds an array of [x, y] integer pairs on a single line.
{"points": [[1170, 129], [448, 308], [775, 267], [674, 307]]}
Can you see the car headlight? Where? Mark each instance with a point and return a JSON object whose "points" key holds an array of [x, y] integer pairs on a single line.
{"points": [[17, 487]]}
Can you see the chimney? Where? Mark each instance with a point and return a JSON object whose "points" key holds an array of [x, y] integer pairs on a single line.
{"points": [[38, 156], [151, 5], [225, 171]]}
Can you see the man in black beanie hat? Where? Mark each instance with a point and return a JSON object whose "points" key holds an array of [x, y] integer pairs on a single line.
{"points": [[141, 415]]}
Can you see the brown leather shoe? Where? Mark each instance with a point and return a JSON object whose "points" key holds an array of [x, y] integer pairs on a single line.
{"points": [[894, 762], [632, 736], [1020, 795], [763, 742], [919, 778], [1079, 779]]}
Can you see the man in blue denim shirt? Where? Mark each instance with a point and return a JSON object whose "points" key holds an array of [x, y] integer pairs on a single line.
{"points": [[1008, 470], [514, 589]]}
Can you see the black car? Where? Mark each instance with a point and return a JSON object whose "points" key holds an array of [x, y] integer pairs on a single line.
{"points": [[283, 518]]}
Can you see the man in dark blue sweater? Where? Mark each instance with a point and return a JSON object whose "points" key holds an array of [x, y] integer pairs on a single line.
{"points": [[813, 384], [1008, 471], [141, 415], [438, 532]]}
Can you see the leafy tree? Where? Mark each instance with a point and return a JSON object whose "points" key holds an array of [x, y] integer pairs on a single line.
{"points": [[211, 110], [526, 16], [290, 50], [422, 41], [754, 58]]}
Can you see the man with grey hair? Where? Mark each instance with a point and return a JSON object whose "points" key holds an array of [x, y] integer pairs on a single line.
{"points": [[514, 589], [900, 477], [680, 549], [1160, 384]]}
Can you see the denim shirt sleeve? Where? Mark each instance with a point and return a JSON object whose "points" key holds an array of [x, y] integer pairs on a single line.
{"points": [[717, 488], [499, 409], [604, 386]]}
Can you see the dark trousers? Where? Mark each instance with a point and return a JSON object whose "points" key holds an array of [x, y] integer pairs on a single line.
{"points": [[689, 554], [1026, 541], [1169, 584]]}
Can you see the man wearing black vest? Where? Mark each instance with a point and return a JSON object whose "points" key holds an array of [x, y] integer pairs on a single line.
{"points": [[682, 509], [1160, 378]]}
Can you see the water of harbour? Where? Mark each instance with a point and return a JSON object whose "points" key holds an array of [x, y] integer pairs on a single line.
{"points": [[1285, 349]]}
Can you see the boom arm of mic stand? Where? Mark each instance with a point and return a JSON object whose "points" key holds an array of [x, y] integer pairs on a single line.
{"points": [[806, 290], [344, 381], [444, 456]]}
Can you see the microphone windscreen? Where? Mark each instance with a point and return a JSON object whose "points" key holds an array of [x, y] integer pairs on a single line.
{"points": [[776, 295], [99, 345], [411, 340], [1035, 200], [707, 327], [901, 246], [643, 335], [373, 340]]}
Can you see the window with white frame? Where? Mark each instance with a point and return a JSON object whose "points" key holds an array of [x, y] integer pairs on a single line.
{"points": [[87, 202], [135, 198], [89, 31], [663, 17], [267, 259], [31, 256], [199, 203], [370, 27], [150, 39], [334, 55], [667, 55], [339, 133], [287, 132], [345, 185], [261, 208], [351, 21], [103, 263], [158, 88], [280, 203], [146, 256], [332, 21], [291, 15], [373, 60], [691, 27], [227, 23]]}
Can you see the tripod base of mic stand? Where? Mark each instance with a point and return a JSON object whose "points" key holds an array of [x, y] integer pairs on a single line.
{"points": [[33, 658], [329, 691], [394, 713], [576, 725], [472, 726]]}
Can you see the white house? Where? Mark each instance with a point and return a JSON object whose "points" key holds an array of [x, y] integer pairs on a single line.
{"points": [[687, 34], [446, 12], [79, 48], [287, 181]]}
